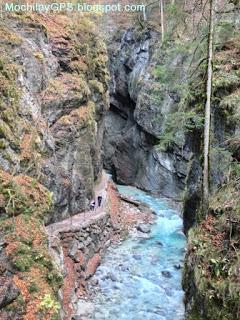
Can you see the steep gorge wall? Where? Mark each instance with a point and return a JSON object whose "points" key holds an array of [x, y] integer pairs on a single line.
{"points": [[54, 95], [137, 118], [54, 99]]}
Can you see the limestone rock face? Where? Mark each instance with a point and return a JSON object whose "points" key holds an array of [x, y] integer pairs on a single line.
{"points": [[136, 120], [52, 120]]}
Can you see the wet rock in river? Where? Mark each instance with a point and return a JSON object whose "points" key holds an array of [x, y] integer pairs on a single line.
{"points": [[168, 291], [177, 266], [137, 256], [94, 282], [166, 274], [124, 268], [158, 310], [111, 276], [154, 262], [144, 228], [143, 236]]}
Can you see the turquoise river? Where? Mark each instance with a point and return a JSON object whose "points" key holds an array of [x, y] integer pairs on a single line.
{"points": [[140, 279]]}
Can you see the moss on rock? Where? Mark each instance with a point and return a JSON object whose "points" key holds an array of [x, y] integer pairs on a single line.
{"points": [[25, 202]]}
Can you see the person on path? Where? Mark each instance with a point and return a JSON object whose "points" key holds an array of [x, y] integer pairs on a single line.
{"points": [[99, 198], [92, 205]]}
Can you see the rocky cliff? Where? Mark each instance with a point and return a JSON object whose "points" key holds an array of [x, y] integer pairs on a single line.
{"points": [[139, 111], [54, 94], [52, 105]]}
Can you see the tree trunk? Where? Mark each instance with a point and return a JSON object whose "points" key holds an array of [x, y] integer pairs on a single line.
{"points": [[162, 18], [208, 113], [144, 11]]}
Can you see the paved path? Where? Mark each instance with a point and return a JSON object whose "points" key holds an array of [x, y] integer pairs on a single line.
{"points": [[82, 219]]}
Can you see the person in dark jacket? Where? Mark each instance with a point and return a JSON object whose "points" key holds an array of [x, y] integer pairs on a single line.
{"points": [[99, 198]]}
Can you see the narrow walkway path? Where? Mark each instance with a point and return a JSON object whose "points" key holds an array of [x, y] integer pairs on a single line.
{"points": [[82, 219]]}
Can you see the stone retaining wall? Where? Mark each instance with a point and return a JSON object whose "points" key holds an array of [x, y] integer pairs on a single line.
{"points": [[78, 253]]}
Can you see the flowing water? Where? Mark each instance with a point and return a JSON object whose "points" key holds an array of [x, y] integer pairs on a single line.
{"points": [[141, 278]]}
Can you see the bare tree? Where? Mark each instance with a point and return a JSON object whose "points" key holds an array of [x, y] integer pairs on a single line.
{"points": [[208, 110], [162, 18]]}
